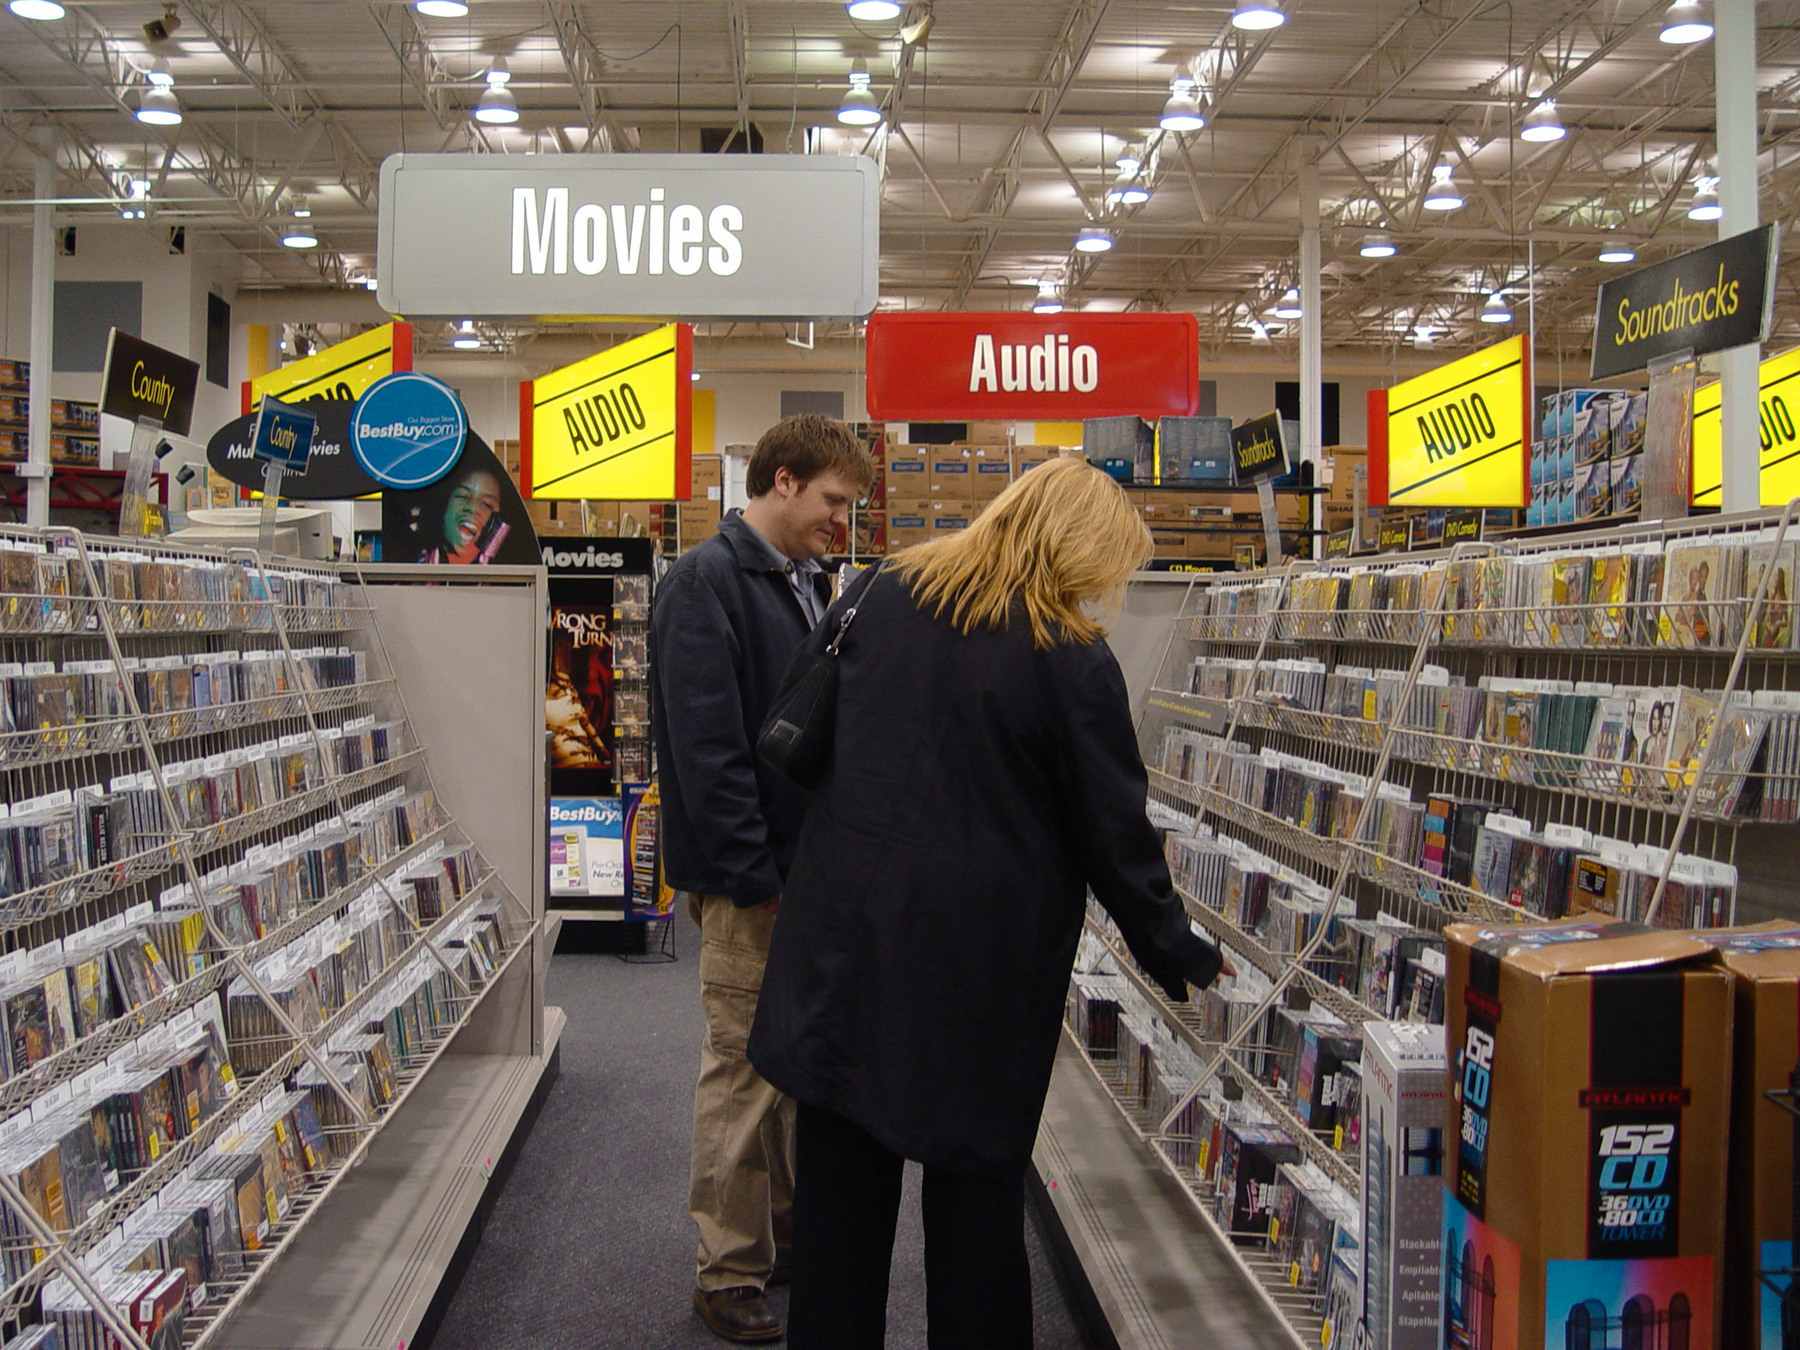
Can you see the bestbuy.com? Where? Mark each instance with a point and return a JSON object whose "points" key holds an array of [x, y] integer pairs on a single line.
{"points": [[607, 814], [416, 431]]}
